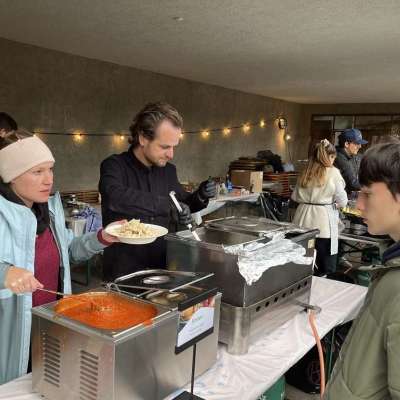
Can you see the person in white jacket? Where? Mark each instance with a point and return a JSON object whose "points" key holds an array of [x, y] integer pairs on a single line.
{"points": [[320, 191]]}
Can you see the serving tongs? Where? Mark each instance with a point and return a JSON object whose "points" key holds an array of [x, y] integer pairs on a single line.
{"points": [[179, 208]]}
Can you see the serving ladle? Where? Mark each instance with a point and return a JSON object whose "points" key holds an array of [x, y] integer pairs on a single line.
{"points": [[94, 306]]}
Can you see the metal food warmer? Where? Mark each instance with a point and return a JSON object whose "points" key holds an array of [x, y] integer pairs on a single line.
{"points": [[246, 310], [150, 360]]}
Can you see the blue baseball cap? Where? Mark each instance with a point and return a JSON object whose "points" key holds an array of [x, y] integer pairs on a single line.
{"points": [[352, 135]]}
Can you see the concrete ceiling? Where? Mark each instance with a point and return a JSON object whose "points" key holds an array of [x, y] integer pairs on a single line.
{"points": [[307, 51]]}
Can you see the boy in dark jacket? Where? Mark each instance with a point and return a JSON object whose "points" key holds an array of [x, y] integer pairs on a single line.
{"points": [[369, 363]]}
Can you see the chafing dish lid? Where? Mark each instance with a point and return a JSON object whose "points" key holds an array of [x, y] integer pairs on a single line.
{"points": [[247, 224]]}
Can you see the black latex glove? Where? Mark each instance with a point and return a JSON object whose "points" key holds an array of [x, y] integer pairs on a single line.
{"points": [[207, 189], [185, 217]]}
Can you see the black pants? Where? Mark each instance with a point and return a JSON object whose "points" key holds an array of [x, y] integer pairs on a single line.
{"points": [[326, 262]]}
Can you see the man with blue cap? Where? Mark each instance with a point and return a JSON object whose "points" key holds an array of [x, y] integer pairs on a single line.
{"points": [[347, 159]]}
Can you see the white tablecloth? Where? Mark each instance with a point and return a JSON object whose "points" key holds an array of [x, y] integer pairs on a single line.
{"points": [[250, 375], [216, 204]]}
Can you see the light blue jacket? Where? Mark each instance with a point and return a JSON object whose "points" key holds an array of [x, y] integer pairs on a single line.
{"points": [[17, 247]]}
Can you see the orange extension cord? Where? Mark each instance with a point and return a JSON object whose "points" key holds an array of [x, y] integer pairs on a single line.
{"points": [[311, 320]]}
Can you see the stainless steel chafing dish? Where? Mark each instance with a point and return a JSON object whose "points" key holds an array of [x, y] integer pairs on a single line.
{"points": [[278, 291], [71, 360]]}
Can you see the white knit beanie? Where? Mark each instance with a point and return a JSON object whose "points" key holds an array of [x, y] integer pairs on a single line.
{"points": [[21, 156]]}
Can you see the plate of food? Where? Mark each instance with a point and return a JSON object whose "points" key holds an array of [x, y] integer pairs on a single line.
{"points": [[135, 232]]}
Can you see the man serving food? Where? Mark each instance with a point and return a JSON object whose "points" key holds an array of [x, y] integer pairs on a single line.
{"points": [[136, 184]]}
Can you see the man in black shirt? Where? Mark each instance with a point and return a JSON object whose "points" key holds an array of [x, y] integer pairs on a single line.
{"points": [[136, 184], [347, 158]]}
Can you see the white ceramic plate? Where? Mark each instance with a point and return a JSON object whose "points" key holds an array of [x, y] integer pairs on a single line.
{"points": [[161, 231]]}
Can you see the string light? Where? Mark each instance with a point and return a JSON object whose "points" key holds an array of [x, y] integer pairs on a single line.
{"points": [[246, 128], [205, 134], [287, 137], [226, 131], [78, 136], [37, 132]]}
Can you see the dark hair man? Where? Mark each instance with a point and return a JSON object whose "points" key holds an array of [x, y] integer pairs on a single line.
{"points": [[7, 123], [348, 160], [136, 184], [368, 367]]}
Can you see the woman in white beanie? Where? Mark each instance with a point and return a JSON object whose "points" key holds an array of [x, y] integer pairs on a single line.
{"points": [[35, 246]]}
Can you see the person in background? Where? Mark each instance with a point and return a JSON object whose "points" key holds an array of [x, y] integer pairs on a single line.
{"points": [[368, 365], [35, 246], [348, 159], [7, 123], [320, 190], [136, 184]]}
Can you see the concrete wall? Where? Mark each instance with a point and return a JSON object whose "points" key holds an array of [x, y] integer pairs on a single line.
{"points": [[57, 92]]}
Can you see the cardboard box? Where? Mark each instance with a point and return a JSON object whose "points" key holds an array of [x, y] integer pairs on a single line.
{"points": [[250, 180]]}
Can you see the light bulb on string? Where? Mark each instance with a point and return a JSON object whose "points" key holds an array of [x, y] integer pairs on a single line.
{"points": [[226, 131], [37, 131], [77, 136], [246, 128], [262, 123], [205, 134]]}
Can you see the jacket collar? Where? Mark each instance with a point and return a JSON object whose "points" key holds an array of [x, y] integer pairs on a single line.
{"points": [[40, 210], [341, 150], [136, 162], [390, 260], [392, 252], [54, 203]]}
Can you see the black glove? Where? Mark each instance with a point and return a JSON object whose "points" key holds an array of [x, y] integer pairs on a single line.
{"points": [[185, 217], [207, 189]]}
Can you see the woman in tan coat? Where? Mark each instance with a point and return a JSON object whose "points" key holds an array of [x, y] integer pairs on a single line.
{"points": [[320, 191]]}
